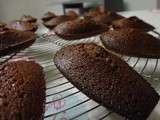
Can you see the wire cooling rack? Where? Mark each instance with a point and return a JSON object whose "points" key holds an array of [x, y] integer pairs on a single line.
{"points": [[63, 100], [148, 68]]}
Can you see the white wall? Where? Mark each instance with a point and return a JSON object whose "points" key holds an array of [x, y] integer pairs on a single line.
{"points": [[14, 9], [140, 4]]}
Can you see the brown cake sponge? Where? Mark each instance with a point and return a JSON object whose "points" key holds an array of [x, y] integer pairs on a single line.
{"points": [[22, 26], [52, 23], [72, 13], [107, 79], [93, 13], [47, 16], [22, 91], [28, 18], [12, 41], [131, 42], [132, 22], [107, 17], [79, 28]]}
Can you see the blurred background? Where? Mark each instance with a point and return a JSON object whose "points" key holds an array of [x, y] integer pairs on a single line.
{"points": [[13, 9]]}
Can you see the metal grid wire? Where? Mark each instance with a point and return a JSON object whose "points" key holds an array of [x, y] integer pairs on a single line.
{"points": [[6, 58], [63, 100]]}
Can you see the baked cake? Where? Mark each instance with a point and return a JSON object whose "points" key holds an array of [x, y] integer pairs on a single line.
{"points": [[47, 16], [22, 91], [97, 11], [107, 79], [28, 18], [22, 26], [12, 41], [79, 28], [131, 42], [101, 8], [132, 22], [91, 13], [52, 23], [107, 17], [72, 13], [3, 27]]}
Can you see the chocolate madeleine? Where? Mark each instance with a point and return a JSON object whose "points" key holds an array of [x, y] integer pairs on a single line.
{"points": [[107, 79], [72, 13], [28, 18], [93, 13], [22, 26], [12, 41], [107, 18], [79, 28], [132, 22], [22, 91], [47, 16], [3, 27], [52, 23], [131, 42]]}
